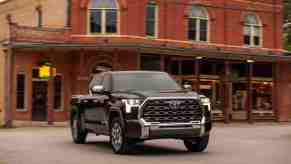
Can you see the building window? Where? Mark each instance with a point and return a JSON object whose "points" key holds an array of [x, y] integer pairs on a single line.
{"points": [[151, 20], [252, 31], [198, 24], [39, 16], [188, 67], [58, 93], [20, 91], [150, 62], [103, 17], [175, 67]]}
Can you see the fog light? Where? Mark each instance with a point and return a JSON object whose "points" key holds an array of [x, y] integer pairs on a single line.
{"points": [[145, 132], [133, 115]]}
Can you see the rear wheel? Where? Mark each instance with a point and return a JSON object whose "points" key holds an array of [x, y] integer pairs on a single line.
{"points": [[119, 142], [79, 133], [198, 144]]}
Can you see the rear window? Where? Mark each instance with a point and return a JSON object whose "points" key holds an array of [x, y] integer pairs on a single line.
{"points": [[97, 80]]}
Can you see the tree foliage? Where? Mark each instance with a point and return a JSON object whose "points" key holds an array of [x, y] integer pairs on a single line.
{"points": [[287, 19], [287, 10]]}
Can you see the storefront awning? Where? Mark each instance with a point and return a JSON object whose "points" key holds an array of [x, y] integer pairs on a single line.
{"points": [[165, 50]]}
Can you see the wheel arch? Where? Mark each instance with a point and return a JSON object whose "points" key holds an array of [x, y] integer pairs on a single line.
{"points": [[75, 109], [115, 113]]}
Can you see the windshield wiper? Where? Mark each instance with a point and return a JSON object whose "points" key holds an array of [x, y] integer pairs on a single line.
{"points": [[169, 91], [126, 90]]}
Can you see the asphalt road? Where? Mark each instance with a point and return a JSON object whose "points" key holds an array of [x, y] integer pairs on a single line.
{"points": [[231, 144]]}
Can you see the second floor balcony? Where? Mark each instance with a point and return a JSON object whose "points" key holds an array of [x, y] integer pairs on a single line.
{"points": [[25, 37]]}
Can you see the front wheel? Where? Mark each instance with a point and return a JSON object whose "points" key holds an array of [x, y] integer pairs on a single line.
{"points": [[119, 142], [198, 144], [79, 133]]}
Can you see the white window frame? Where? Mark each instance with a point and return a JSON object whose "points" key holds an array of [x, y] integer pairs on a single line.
{"points": [[25, 91], [252, 34], [61, 109], [156, 21], [103, 20], [197, 39]]}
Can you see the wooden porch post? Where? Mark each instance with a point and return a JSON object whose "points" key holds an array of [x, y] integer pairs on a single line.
{"points": [[249, 105], [9, 81], [197, 74], [275, 73], [162, 63], [115, 63], [80, 72], [227, 92], [168, 66], [50, 101], [50, 87]]}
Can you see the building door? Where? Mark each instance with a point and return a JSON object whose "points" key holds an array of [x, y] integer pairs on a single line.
{"points": [[39, 100]]}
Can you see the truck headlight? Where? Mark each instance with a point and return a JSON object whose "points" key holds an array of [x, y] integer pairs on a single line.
{"points": [[206, 102], [129, 103], [132, 102]]}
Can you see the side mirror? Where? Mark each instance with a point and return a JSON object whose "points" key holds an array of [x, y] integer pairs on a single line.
{"points": [[187, 87], [97, 89]]}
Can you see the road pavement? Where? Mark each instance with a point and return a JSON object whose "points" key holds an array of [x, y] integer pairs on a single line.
{"points": [[229, 144]]}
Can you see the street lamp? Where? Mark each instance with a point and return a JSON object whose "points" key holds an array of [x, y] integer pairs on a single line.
{"points": [[199, 57], [250, 61]]}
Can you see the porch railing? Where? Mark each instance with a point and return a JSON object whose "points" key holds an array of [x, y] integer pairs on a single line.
{"points": [[21, 33]]}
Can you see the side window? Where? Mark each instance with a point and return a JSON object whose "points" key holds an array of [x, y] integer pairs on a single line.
{"points": [[107, 82], [97, 80]]}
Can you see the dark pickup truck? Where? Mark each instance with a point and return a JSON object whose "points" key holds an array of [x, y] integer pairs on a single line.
{"points": [[133, 106]]}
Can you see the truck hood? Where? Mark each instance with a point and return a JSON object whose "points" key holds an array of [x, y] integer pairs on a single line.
{"points": [[145, 94]]}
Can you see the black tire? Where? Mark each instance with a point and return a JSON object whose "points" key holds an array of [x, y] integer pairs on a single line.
{"points": [[118, 141], [198, 144], [79, 133]]}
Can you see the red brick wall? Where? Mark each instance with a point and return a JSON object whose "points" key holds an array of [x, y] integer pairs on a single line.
{"points": [[127, 60], [25, 62], [75, 67], [226, 19], [283, 98]]}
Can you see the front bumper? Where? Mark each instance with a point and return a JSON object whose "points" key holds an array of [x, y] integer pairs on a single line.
{"points": [[140, 129]]}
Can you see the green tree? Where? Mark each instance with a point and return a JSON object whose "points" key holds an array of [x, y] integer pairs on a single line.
{"points": [[287, 24], [287, 10]]}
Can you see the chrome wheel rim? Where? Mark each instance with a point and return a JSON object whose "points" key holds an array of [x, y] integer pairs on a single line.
{"points": [[116, 136]]}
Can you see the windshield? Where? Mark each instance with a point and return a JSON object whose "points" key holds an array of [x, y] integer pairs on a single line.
{"points": [[145, 81]]}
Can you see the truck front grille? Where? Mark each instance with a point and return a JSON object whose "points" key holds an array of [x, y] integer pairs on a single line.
{"points": [[171, 110]]}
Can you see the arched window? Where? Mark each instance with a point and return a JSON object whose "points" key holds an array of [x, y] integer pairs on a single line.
{"points": [[198, 24], [103, 17], [252, 31]]}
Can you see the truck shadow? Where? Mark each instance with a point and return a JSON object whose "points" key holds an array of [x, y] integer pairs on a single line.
{"points": [[144, 149]]}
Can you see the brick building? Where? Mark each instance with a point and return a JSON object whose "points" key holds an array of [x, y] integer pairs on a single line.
{"points": [[229, 50], [32, 13]]}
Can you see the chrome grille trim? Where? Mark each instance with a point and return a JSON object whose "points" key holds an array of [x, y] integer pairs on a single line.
{"points": [[158, 110]]}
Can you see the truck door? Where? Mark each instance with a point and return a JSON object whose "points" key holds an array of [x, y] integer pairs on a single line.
{"points": [[91, 107], [102, 108]]}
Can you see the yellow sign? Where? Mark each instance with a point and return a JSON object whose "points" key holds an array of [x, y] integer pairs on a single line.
{"points": [[44, 72]]}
